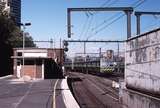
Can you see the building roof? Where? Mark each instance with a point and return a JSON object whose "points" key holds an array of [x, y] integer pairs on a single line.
{"points": [[34, 48], [21, 57]]}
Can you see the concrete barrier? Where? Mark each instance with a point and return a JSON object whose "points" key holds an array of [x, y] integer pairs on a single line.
{"points": [[68, 98], [6, 77]]}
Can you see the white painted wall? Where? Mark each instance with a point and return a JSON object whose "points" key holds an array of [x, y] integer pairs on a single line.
{"points": [[42, 69], [31, 54], [34, 52]]}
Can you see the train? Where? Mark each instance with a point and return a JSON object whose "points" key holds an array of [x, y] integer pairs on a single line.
{"points": [[99, 66], [82, 66]]}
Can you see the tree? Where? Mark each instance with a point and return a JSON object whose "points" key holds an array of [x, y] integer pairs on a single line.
{"points": [[6, 28], [29, 42], [16, 40], [11, 34], [10, 37]]}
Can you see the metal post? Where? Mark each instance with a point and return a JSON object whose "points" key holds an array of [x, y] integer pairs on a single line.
{"points": [[54, 43], [42, 68], [35, 69], [118, 51], [23, 48], [69, 22], [118, 59], [60, 42], [72, 63], [84, 47], [138, 15], [24, 27], [51, 43], [128, 23], [100, 52], [138, 23], [60, 53]]}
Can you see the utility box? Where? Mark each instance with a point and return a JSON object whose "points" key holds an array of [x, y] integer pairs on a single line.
{"points": [[142, 62]]}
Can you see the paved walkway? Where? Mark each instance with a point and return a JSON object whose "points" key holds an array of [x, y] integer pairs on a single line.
{"points": [[15, 93]]}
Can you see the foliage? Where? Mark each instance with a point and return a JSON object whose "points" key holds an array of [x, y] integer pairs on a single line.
{"points": [[10, 37], [11, 34], [6, 28]]}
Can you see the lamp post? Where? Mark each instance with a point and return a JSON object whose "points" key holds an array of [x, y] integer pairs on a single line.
{"points": [[24, 27]]}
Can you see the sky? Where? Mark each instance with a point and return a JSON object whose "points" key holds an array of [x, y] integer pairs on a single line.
{"points": [[49, 20]]}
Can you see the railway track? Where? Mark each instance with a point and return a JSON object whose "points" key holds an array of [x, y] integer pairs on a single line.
{"points": [[85, 97], [95, 92], [108, 90]]}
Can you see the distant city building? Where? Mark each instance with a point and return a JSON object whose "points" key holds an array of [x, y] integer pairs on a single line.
{"points": [[12, 8], [15, 10], [4, 6]]}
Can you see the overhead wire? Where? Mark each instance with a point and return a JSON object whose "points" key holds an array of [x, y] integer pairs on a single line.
{"points": [[120, 16], [110, 18], [89, 24], [89, 27], [113, 20], [91, 20], [108, 1], [83, 27], [105, 3], [137, 4]]}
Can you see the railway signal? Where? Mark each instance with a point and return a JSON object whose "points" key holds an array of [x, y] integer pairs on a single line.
{"points": [[65, 44]]}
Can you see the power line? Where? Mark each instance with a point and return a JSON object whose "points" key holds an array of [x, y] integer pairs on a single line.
{"points": [[110, 23], [119, 17], [89, 26], [111, 18], [105, 3], [90, 22], [114, 2], [131, 5], [105, 21], [102, 5], [97, 12], [84, 27]]}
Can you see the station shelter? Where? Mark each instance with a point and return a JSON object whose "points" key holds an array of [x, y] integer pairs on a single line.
{"points": [[39, 63]]}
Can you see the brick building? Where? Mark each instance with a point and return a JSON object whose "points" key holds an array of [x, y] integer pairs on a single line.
{"points": [[38, 62]]}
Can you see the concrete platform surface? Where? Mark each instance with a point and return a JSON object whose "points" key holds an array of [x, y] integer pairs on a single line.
{"points": [[15, 93]]}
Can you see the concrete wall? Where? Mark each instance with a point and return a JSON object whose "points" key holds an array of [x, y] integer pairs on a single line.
{"points": [[142, 62], [131, 99]]}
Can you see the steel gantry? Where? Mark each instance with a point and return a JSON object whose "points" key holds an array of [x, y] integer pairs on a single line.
{"points": [[138, 15], [97, 41], [65, 42], [127, 10]]}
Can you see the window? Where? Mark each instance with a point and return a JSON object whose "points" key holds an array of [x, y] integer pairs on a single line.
{"points": [[19, 53], [29, 62]]}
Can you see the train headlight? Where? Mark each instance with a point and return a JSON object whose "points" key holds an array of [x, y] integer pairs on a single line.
{"points": [[115, 63]]}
